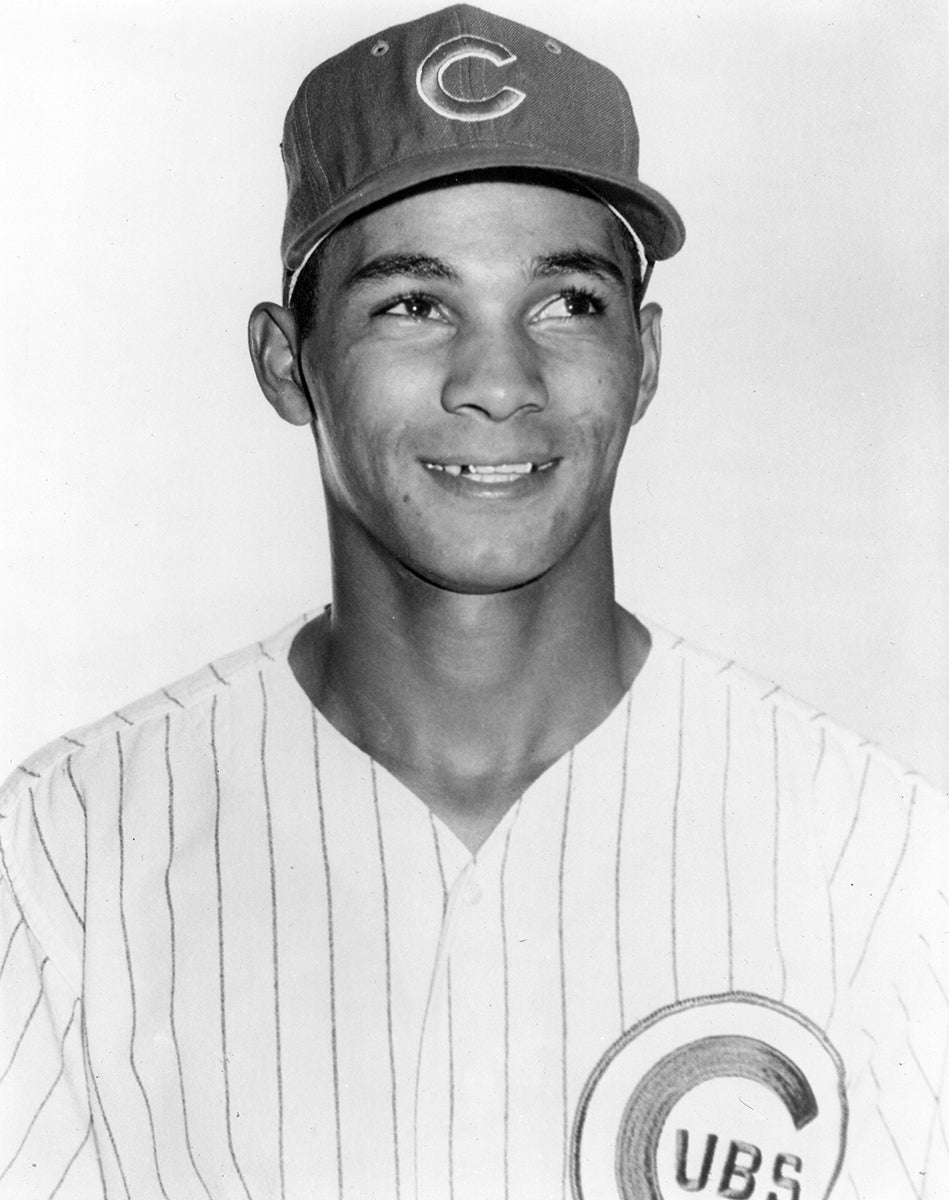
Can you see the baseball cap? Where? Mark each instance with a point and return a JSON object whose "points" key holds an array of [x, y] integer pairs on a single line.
{"points": [[457, 91]]}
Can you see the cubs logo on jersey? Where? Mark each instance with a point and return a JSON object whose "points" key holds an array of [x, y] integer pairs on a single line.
{"points": [[722, 1096]]}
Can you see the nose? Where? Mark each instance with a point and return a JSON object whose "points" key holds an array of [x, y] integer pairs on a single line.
{"points": [[494, 374]]}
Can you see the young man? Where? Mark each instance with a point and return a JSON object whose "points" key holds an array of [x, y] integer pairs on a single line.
{"points": [[471, 885]]}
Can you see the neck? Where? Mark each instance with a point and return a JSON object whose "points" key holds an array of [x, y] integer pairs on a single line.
{"points": [[468, 698]]}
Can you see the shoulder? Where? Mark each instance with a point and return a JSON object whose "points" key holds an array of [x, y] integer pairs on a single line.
{"points": [[71, 790], [80, 752], [848, 782]]}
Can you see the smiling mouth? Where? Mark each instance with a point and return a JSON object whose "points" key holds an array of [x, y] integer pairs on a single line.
{"points": [[490, 472]]}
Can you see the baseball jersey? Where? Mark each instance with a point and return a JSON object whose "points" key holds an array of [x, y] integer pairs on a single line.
{"points": [[703, 954]]}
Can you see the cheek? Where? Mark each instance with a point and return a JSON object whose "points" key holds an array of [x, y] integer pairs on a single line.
{"points": [[365, 460], [349, 459], [601, 432]]}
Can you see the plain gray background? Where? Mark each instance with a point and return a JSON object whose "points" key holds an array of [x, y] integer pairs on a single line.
{"points": [[784, 503]]}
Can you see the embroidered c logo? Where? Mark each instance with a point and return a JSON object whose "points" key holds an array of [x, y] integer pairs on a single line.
{"points": [[665, 1084], [726, 1095], [430, 76]]}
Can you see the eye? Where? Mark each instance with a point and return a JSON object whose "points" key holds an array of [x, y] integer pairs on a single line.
{"points": [[414, 307], [571, 303]]}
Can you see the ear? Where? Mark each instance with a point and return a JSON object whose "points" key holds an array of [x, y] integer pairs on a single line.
{"points": [[274, 349], [650, 327]]}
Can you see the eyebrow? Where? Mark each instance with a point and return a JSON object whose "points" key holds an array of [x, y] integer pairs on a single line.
{"points": [[426, 266], [579, 262], [390, 266]]}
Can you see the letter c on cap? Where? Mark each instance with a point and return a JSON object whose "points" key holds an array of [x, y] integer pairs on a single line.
{"points": [[430, 75]]}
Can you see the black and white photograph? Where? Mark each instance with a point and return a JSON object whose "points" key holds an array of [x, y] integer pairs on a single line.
{"points": [[475, 667]]}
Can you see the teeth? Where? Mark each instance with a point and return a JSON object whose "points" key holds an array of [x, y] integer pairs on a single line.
{"points": [[504, 469], [501, 472]]}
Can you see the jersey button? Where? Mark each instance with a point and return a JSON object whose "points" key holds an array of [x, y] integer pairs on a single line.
{"points": [[472, 892]]}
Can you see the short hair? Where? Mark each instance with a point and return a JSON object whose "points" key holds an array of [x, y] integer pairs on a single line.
{"points": [[304, 297]]}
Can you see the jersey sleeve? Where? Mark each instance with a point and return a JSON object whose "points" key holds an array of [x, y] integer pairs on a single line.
{"points": [[47, 1145], [889, 885]]}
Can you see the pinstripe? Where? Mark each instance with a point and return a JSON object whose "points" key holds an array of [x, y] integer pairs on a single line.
{"points": [[218, 676], [916, 1061], [867, 1034], [273, 924], [675, 831], [889, 887], [28, 1022], [173, 699], [30, 774], [725, 863], [173, 950], [617, 878], [6, 953], [124, 718], [935, 1118], [451, 1088], [128, 962], [84, 1032], [9, 881], [82, 803], [935, 978], [388, 950], [52, 1088], [49, 859], [432, 984], [831, 919], [821, 751], [87, 1058], [451, 1046], [833, 961], [776, 856], [507, 1018], [893, 1142], [220, 948], [74, 742], [856, 818], [563, 965], [76, 1154], [332, 951], [438, 860]]}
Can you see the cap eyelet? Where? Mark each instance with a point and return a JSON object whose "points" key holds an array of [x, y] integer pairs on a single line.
{"points": [[379, 48], [552, 46]]}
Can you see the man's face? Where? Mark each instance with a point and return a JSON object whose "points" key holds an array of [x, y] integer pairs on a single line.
{"points": [[474, 366]]}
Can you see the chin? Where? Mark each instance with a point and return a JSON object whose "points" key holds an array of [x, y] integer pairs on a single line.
{"points": [[482, 577]]}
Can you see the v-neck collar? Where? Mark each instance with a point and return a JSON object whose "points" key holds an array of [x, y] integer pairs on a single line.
{"points": [[605, 732]]}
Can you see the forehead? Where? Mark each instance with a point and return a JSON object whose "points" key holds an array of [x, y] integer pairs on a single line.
{"points": [[478, 224]]}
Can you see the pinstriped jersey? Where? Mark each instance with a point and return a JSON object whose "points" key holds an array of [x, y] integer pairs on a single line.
{"points": [[704, 953]]}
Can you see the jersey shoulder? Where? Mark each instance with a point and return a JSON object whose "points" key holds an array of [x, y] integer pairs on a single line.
{"points": [[76, 782], [846, 780], [194, 690], [834, 743]]}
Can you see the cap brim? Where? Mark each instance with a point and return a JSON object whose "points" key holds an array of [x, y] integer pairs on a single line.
{"points": [[652, 216]]}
